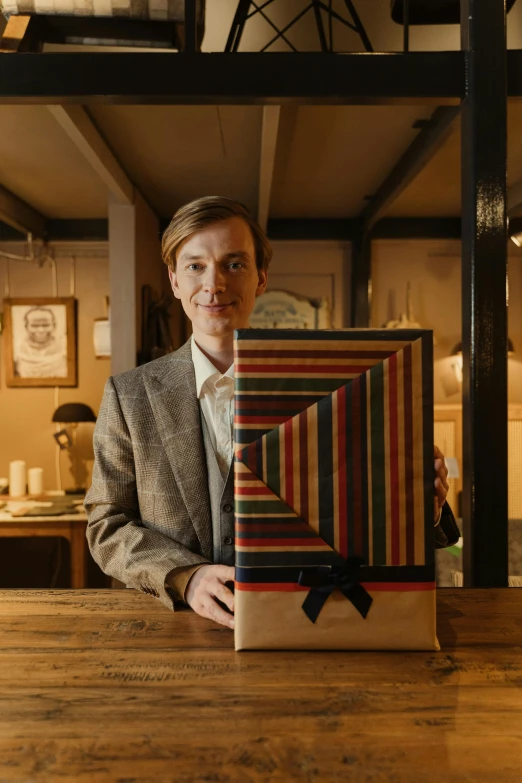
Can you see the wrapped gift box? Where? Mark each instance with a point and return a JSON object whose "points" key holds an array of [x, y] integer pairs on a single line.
{"points": [[334, 489]]}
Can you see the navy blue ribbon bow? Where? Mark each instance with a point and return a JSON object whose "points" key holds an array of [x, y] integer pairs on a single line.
{"points": [[324, 580]]}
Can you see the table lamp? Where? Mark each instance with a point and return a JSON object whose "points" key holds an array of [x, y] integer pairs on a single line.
{"points": [[71, 413]]}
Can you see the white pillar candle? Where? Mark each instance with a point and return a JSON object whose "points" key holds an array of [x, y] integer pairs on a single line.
{"points": [[17, 478], [35, 481]]}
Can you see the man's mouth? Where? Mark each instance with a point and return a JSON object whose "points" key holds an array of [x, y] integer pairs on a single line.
{"points": [[214, 308]]}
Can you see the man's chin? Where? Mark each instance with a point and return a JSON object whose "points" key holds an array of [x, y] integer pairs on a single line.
{"points": [[217, 325]]}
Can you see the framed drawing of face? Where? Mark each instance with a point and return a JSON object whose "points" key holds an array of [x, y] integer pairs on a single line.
{"points": [[40, 341]]}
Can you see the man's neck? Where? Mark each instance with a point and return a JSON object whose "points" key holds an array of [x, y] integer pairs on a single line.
{"points": [[219, 350]]}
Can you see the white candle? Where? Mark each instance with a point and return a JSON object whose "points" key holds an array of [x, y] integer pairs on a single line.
{"points": [[35, 481], [17, 478]]}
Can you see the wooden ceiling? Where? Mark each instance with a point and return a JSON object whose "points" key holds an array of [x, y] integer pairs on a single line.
{"points": [[327, 160]]}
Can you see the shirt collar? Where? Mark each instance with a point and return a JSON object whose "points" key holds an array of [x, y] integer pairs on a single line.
{"points": [[203, 367]]}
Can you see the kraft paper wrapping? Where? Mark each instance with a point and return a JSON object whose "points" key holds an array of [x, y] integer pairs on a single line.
{"points": [[273, 620], [334, 462]]}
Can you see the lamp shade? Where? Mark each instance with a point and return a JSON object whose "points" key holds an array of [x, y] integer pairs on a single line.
{"points": [[73, 412]]}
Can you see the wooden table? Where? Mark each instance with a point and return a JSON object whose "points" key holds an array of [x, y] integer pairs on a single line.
{"points": [[109, 686], [69, 526]]}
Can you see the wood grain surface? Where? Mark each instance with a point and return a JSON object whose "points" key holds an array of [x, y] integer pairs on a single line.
{"points": [[109, 686]]}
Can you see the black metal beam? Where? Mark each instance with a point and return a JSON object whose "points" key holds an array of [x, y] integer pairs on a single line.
{"points": [[417, 228], [341, 229], [19, 215], [346, 229], [279, 229], [484, 311], [10, 234], [190, 27], [234, 78], [514, 73], [361, 280], [429, 139], [87, 230]]}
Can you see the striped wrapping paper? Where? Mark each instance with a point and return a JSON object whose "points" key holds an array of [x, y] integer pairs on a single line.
{"points": [[333, 460]]}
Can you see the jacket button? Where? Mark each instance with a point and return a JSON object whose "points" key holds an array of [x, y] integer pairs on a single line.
{"points": [[227, 508], [228, 540]]}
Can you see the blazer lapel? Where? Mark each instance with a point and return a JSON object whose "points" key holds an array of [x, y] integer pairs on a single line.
{"points": [[171, 387]]}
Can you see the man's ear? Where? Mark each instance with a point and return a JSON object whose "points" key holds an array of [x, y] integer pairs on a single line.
{"points": [[174, 284], [263, 279]]}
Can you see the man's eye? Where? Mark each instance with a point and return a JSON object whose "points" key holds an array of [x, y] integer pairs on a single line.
{"points": [[193, 267], [236, 265]]}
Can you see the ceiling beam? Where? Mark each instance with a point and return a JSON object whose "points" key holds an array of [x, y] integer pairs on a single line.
{"points": [[346, 229], [20, 216], [311, 229], [83, 132], [269, 131], [240, 78], [429, 139], [278, 229]]}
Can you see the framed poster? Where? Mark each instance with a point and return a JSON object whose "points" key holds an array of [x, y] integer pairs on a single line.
{"points": [[40, 341]]}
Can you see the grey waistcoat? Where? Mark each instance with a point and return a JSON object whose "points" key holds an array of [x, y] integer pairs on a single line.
{"points": [[221, 503]]}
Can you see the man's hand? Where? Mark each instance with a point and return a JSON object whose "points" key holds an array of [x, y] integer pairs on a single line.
{"points": [[207, 584], [441, 482]]}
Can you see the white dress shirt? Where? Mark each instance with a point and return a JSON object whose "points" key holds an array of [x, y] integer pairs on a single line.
{"points": [[216, 398]]}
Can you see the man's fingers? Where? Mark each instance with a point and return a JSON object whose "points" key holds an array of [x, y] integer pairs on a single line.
{"points": [[440, 481], [214, 612], [224, 573], [440, 466], [225, 595]]}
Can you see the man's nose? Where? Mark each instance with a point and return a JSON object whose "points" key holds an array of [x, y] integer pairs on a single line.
{"points": [[214, 280]]}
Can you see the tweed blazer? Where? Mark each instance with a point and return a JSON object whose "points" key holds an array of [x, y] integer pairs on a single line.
{"points": [[148, 506]]}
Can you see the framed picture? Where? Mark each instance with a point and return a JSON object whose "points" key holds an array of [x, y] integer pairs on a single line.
{"points": [[40, 341]]}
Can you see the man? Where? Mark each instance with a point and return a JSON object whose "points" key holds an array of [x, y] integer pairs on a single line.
{"points": [[40, 354], [161, 502]]}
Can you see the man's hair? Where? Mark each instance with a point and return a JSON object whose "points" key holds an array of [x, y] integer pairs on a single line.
{"points": [[203, 212], [37, 310]]}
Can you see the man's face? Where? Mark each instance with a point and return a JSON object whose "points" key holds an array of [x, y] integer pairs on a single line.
{"points": [[40, 327], [216, 278]]}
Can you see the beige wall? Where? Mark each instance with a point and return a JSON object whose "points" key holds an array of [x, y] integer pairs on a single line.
{"points": [[433, 268], [26, 429], [316, 270]]}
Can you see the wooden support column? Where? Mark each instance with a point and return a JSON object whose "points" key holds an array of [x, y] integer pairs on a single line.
{"points": [[122, 271], [134, 261], [269, 132], [484, 311]]}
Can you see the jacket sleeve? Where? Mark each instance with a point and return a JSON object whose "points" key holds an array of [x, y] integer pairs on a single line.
{"points": [[118, 540], [446, 531]]}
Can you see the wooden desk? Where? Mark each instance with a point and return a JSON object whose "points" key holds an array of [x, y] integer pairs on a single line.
{"points": [[69, 526], [109, 686]]}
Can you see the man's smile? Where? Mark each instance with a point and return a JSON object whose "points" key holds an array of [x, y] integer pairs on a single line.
{"points": [[215, 308]]}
